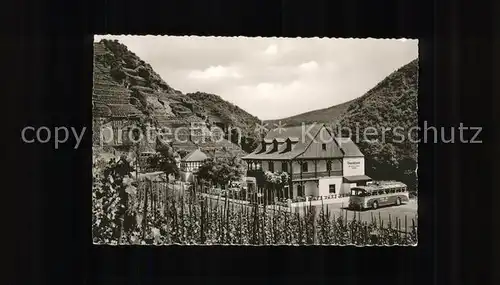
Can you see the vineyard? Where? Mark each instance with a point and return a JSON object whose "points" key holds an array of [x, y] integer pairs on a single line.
{"points": [[135, 211]]}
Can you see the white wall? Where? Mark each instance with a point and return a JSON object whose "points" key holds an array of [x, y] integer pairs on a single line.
{"points": [[324, 185], [296, 167], [321, 166], [310, 188], [340, 201], [346, 187], [354, 166]]}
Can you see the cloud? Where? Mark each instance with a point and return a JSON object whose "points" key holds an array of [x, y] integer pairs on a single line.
{"points": [[309, 66], [273, 77], [271, 50], [273, 100], [214, 72]]}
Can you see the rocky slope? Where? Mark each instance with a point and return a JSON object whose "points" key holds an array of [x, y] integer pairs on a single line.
{"points": [[125, 82]]}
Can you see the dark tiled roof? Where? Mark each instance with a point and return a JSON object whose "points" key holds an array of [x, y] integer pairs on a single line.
{"points": [[349, 148], [292, 132], [300, 142]]}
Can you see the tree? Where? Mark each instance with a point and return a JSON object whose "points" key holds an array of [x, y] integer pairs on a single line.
{"points": [[164, 160], [276, 180], [221, 170], [182, 153]]}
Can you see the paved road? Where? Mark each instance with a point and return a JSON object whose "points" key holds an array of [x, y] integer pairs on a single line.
{"points": [[409, 210]]}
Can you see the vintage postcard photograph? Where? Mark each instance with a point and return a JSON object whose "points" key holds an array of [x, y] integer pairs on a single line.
{"points": [[254, 141]]}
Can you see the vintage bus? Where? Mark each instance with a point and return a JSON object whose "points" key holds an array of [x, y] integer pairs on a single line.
{"points": [[376, 194]]}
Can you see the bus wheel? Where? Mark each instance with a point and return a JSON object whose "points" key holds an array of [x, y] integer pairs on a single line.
{"points": [[398, 201], [375, 205]]}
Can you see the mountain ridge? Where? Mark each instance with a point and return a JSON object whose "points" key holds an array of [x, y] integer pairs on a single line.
{"points": [[318, 115]]}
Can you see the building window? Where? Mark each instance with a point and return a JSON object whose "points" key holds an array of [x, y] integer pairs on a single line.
{"points": [[300, 190], [332, 188], [271, 166], [328, 166], [285, 193], [136, 134], [284, 166], [323, 146], [304, 167]]}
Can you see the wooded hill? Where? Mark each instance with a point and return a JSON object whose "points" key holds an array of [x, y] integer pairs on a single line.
{"points": [[391, 103]]}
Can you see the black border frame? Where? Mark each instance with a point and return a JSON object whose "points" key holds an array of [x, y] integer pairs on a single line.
{"points": [[50, 53]]}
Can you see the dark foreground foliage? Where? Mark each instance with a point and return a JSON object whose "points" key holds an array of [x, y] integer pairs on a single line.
{"points": [[159, 214]]}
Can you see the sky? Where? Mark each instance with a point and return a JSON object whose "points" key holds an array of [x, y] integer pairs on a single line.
{"points": [[273, 78]]}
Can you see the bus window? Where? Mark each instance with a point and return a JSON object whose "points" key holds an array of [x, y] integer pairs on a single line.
{"points": [[356, 192], [393, 190]]}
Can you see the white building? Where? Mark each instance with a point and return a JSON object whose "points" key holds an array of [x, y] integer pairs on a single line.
{"points": [[318, 163], [190, 163]]}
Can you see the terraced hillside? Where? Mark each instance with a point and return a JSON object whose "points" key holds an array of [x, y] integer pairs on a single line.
{"points": [[110, 99], [217, 110], [127, 87]]}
